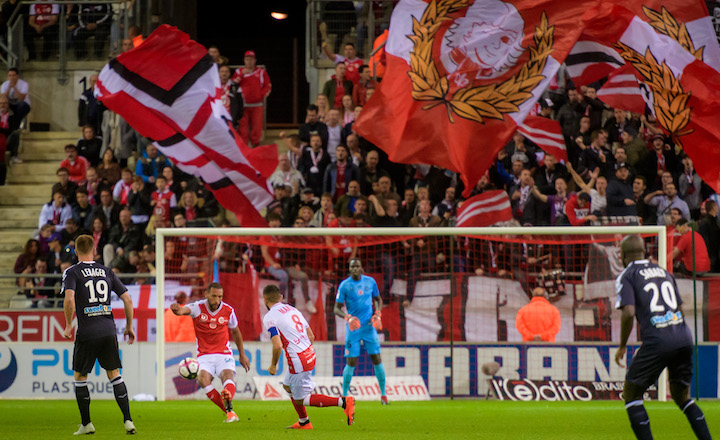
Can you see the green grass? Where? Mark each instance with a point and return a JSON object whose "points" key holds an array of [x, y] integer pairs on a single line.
{"points": [[450, 420]]}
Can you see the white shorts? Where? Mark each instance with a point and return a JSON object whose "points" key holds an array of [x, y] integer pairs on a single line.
{"points": [[215, 363], [301, 384]]}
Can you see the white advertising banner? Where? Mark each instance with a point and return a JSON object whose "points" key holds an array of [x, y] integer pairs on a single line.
{"points": [[362, 388]]}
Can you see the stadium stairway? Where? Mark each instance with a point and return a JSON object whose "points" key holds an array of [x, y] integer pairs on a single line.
{"points": [[27, 188]]}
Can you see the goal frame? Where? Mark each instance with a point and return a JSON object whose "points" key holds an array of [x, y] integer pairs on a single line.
{"points": [[162, 233]]}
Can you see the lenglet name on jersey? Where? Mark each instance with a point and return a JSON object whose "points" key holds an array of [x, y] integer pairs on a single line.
{"points": [[93, 272], [652, 272]]}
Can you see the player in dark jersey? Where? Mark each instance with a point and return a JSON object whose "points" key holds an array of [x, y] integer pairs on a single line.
{"points": [[649, 292], [87, 286]]}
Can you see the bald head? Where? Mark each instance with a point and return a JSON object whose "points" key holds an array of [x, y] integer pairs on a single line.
{"points": [[632, 248], [538, 291]]}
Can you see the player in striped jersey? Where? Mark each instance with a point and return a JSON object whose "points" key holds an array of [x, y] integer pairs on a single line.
{"points": [[290, 332]]}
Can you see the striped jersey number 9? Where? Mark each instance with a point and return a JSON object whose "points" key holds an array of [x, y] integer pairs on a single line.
{"points": [[101, 287], [668, 293], [298, 323]]}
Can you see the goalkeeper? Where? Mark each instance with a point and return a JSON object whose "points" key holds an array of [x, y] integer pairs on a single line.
{"points": [[360, 296]]}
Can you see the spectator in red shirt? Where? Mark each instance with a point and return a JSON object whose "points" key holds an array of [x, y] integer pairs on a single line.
{"points": [[76, 165], [366, 82], [256, 86], [337, 86], [352, 62], [577, 210], [683, 253]]}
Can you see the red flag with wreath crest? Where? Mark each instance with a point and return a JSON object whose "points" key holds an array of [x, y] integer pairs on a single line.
{"points": [[462, 75]]}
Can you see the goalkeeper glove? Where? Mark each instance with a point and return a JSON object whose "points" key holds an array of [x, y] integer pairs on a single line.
{"points": [[353, 322], [376, 321]]}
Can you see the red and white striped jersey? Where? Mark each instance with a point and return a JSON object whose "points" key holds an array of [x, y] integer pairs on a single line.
{"points": [[211, 328], [287, 322]]}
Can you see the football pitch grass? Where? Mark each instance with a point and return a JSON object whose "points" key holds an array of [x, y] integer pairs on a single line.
{"points": [[438, 419]]}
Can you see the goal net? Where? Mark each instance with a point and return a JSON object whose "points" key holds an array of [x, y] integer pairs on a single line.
{"points": [[450, 301]]}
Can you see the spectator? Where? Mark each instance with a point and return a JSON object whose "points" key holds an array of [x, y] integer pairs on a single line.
{"points": [[709, 229], [44, 238], [313, 125], [255, 84], [100, 236], [568, 115], [620, 196], [139, 201], [126, 263], [191, 205], [56, 212], [337, 86], [285, 271], [539, 320], [232, 98], [109, 170], [366, 82], [71, 231], [313, 164], [179, 328], [175, 185], [9, 125], [447, 207], [616, 125], [76, 165], [82, 210], [518, 149], [135, 34], [353, 64], [386, 214], [592, 106], [660, 160], [555, 201], [308, 198], [522, 200], [334, 132], [347, 201], [407, 208], [92, 185], [635, 147], [645, 212], [39, 288], [689, 187], [339, 174], [163, 200], [352, 141], [43, 22], [122, 189], [682, 253], [65, 184], [221, 61], [25, 262], [287, 175], [322, 217], [546, 174], [593, 158], [361, 207], [347, 112], [90, 111], [124, 237], [577, 210], [371, 172], [323, 107], [621, 160], [306, 214], [664, 200], [94, 19], [55, 253], [108, 209], [89, 145], [149, 167], [17, 92]]}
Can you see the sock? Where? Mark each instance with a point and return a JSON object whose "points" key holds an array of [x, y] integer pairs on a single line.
{"points": [[82, 394], [697, 419], [230, 386], [380, 374], [213, 395], [639, 420], [347, 377], [322, 400], [300, 409], [121, 396]]}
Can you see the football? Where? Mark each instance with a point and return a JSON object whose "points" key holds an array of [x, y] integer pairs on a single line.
{"points": [[189, 368]]}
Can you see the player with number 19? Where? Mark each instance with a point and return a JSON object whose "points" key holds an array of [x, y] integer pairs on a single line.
{"points": [[87, 286], [360, 295], [649, 293]]}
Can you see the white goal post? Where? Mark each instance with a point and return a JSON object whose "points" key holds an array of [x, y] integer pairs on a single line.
{"points": [[163, 233]]}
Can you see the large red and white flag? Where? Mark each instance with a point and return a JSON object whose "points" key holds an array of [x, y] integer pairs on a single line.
{"points": [[687, 21], [546, 133], [685, 91], [485, 209], [622, 90], [168, 89], [462, 75]]}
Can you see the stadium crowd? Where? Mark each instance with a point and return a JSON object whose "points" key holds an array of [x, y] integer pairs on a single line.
{"points": [[115, 185]]}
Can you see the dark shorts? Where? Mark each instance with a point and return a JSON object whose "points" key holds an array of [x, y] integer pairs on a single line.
{"points": [[104, 349], [648, 363]]}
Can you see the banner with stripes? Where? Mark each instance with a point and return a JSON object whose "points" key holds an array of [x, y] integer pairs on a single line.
{"points": [[168, 89], [545, 133], [622, 90], [485, 209]]}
